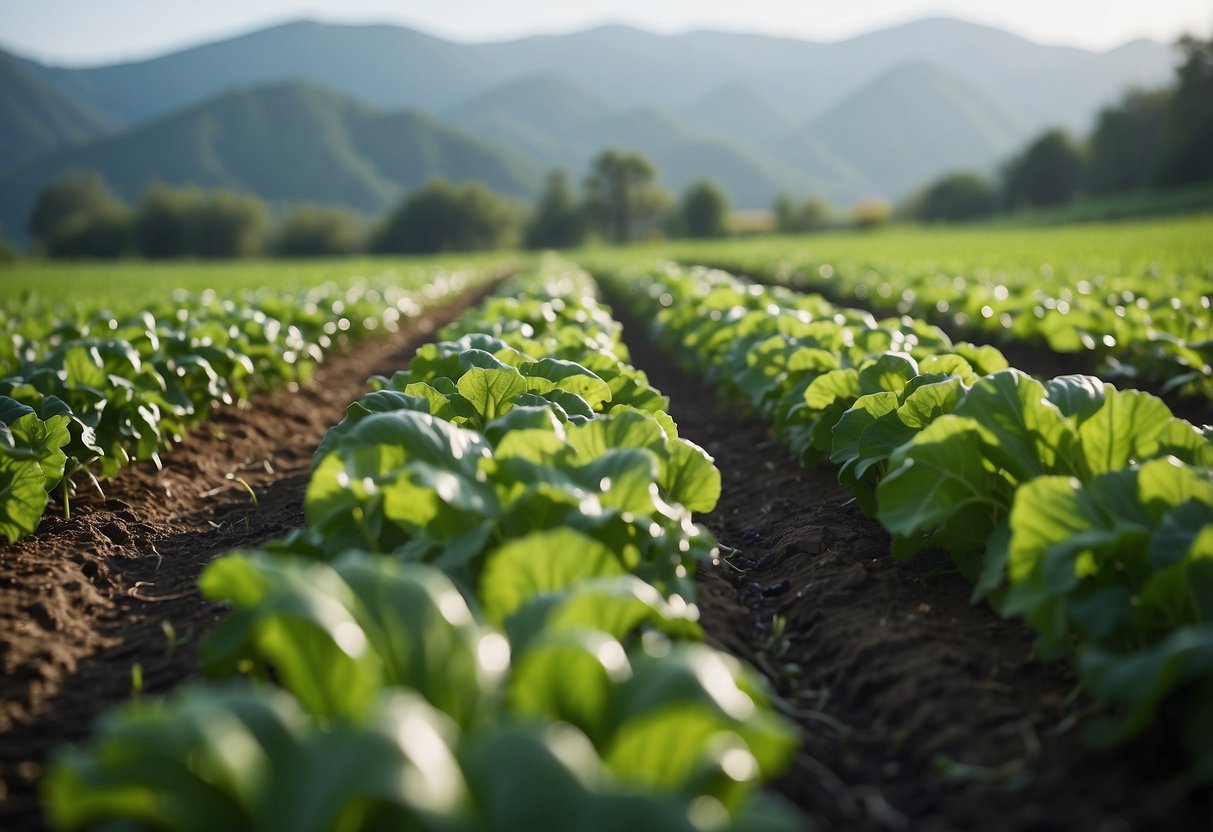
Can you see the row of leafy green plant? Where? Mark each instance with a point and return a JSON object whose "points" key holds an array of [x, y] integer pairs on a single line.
{"points": [[488, 623], [1084, 509], [1148, 323], [81, 397]]}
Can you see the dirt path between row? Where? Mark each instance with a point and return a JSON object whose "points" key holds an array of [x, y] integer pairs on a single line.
{"points": [[88, 606], [919, 710]]}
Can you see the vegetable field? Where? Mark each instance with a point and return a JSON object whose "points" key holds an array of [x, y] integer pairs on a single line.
{"points": [[889, 531]]}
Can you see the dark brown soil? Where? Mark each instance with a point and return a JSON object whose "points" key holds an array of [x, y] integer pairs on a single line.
{"points": [[919, 710], [88, 604]]}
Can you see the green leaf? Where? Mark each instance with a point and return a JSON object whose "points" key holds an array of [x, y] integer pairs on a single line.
{"points": [[570, 676], [985, 360], [492, 392], [1023, 433], [623, 429], [11, 410], [1168, 483], [948, 364], [847, 431], [615, 606], [625, 479], [1126, 429], [689, 477], [1139, 682], [83, 370], [46, 439], [1076, 395], [939, 475], [541, 562], [22, 497], [419, 466], [890, 371], [524, 417], [836, 385], [551, 373], [296, 624]]}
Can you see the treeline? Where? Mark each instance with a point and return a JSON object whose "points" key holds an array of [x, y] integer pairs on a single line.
{"points": [[620, 200], [1150, 139]]}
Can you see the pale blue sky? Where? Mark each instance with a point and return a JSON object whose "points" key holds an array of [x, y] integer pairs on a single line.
{"points": [[78, 32]]}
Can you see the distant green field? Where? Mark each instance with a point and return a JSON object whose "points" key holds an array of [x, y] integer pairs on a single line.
{"points": [[71, 290], [1181, 246], [1136, 295]]}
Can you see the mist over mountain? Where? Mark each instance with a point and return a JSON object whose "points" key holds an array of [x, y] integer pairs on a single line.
{"points": [[354, 114]]}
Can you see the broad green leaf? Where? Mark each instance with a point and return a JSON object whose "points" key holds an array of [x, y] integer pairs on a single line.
{"points": [[570, 676], [491, 391], [83, 369], [1186, 443], [615, 606], [836, 385], [11, 410], [541, 562], [523, 417], [1023, 433], [948, 364], [890, 371], [474, 358], [419, 627], [552, 373], [1139, 682], [419, 461], [570, 403], [46, 439], [689, 477], [1076, 395], [928, 402], [866, 410], [298, 628], [22, 497], [538, 445], [985, 360], [625, 479], [624, 429], [1124, 430], [532, 777], [936, 476], [1179, 532], [1168, 483]]}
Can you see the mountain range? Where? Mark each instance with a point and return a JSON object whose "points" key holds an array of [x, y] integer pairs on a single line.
{"points": [[357, 114]]}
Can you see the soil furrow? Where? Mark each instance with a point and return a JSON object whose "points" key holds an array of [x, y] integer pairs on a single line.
{"points": [[919, 710], [95, 607]]}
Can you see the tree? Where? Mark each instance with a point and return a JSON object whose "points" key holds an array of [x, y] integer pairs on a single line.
{"points": [[792, 217], [8, 254], [446, 217], [622, 196], [1126, 142], [166, 219], [319, 231], [1186, 138], [104, 236], [71, 200], [557, 221], [1049, 172], [958, 196], [703, 210], [185, 222], [230, 225]]}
